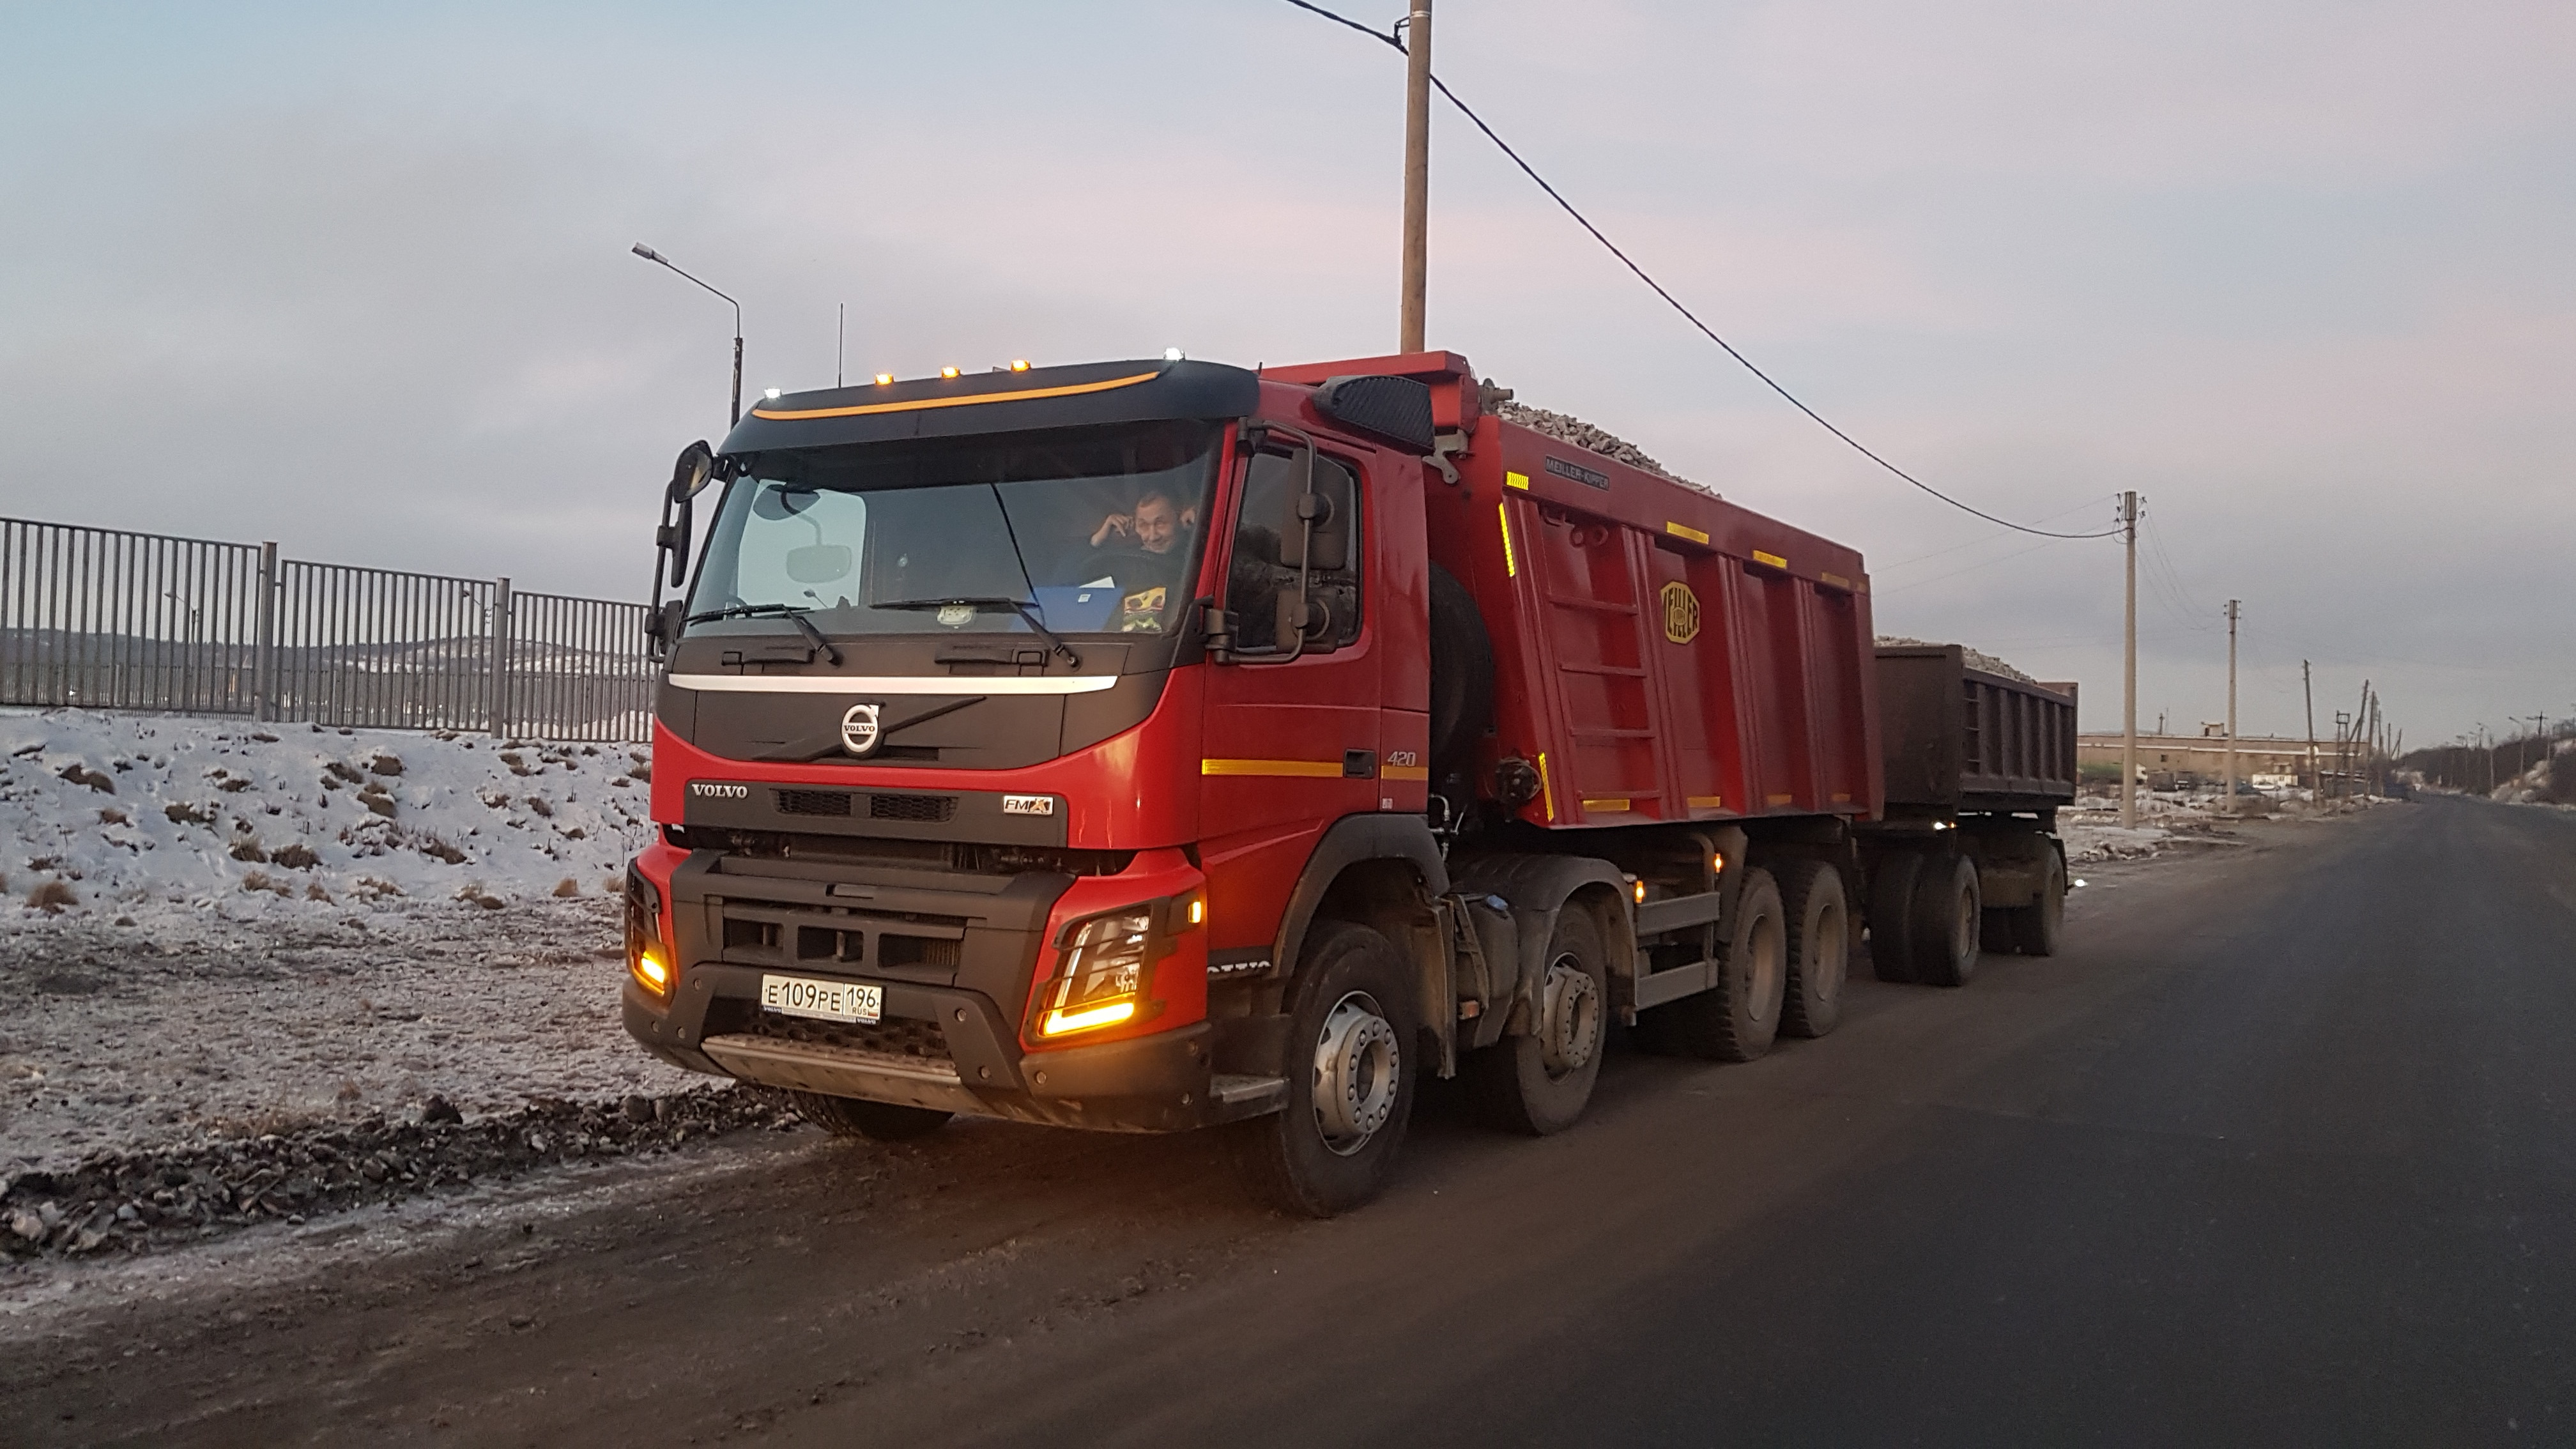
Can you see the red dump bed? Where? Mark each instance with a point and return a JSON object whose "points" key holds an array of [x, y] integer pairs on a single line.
{"points": [[1660, 654]]}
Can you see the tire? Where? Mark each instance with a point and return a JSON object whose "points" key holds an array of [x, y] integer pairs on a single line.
{"points": [[1540, 1083], [1891, 908], [854, 1117], [1818, 912], [1736, 1020], [1946, 921], [2036, 927], [1350, 1024], [1462, 676]]}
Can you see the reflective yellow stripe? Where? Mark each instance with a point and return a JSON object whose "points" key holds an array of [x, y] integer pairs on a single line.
{"points": [[1780, 799], [1406, 772], [917, 404], [1511, 566], [1681, 531], [1546, 790], [1611, 806], [1773, 559], [1516, 480], [1707, 802], [1303, 769]]}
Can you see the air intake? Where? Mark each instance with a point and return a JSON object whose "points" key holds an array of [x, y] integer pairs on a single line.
{"points": [[920, 809], [814, 802], [1394, 410]]}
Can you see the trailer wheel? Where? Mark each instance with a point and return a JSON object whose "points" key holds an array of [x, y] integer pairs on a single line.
{"points": [[2036, 927], [1736, 1020], [1946, 920], [1351, 1031], [853, 1117], [1819, 917], [1891, 912], [1540, 1083]]}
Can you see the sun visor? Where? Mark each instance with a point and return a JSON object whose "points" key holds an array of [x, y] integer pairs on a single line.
{"points": [[997, 402]]}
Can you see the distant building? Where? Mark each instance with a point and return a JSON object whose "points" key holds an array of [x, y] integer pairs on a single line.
{"points": [[2204, 755]]}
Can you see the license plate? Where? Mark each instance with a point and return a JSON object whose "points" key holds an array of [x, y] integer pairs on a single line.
{"points": [[828, 1000]]}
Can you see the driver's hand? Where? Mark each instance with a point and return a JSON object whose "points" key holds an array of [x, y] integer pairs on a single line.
{"points": [[1121, 524]]}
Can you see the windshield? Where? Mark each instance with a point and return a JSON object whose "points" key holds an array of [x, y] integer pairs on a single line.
{"points": [[1077, 531]]}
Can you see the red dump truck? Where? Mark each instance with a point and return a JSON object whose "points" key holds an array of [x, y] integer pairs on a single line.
{"points": [[1146, 746]]}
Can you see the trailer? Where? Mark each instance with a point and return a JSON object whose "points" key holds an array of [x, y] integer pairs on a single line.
{"points": [[1147, 746], [1965, 856]]}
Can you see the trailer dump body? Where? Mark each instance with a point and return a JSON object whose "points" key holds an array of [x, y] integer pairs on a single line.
{"points": [[1144, 746], [1965, 739]]}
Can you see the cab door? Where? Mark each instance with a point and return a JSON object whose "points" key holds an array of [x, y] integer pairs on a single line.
{"points": [[1292, 740]]}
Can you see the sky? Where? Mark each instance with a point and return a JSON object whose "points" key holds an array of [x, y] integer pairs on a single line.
{"points": [[356, 279]]}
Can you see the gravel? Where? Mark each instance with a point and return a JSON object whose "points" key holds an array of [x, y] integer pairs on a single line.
{"points": [[1567, 428], [134, 1201], [1974, 658]]}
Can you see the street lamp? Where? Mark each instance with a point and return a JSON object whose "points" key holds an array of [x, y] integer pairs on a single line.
{"points": [[650, 255]]}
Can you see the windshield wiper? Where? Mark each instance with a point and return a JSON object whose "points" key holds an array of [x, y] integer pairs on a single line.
{"points": [[792, 613], [1023, 607]]}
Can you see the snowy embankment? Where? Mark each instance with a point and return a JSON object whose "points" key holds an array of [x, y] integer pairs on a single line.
{"points": [[2545, 783], [143, 815], [220, 928]]}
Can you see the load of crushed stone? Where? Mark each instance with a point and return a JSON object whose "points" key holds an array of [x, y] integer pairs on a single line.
{"points": [[1976, 659], [1567, 428]]}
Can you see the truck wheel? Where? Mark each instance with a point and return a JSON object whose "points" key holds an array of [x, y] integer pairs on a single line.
{"points": [[1539, 1083], [2036, 927], [1946, 920], [852, 1117], [1462, 676], [1351, 1032], [1819, 917], [1891, 909], [1736, 1020]]}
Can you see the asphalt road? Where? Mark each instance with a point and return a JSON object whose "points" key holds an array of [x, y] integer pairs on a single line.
{"points": [[2278, 1151]]}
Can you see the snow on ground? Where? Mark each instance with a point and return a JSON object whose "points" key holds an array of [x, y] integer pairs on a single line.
{"points": [[125, 1035], [216, 925], [2536, 786], [160, 817]]}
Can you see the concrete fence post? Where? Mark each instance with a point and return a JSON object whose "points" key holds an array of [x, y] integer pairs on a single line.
{"points": [[500, 656], [263, 658]]}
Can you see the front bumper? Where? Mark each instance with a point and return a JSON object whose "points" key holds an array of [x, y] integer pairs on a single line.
{"points": [[948, 1038]]}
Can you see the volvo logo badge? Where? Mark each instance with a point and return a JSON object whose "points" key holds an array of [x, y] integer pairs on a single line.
{"points": [[859, 729]]}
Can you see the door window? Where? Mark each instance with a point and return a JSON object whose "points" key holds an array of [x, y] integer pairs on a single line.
{"points": [[1268, 532]]}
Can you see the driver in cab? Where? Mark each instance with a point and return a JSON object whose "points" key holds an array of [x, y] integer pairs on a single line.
{"points": [[1148, 537]]}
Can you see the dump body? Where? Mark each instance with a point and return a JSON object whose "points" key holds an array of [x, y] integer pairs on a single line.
{"points": [[1959, 739]]}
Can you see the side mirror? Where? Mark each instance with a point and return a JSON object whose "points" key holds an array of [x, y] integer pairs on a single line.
{"points": [[1313, 533], [696, 468]]}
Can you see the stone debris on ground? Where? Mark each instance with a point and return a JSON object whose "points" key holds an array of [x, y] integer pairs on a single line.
{"points": [[161, 818], [135, 1200], [1976, 659], [1569, 429]]}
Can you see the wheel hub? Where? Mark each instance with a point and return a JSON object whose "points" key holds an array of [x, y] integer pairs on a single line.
{"points": [[1571, 1031], [1356, 1062]]}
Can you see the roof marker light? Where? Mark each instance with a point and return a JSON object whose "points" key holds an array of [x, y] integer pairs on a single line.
{"points": [[771, 394], [948, 372], [1019, 364], [885, 379], [1172, 354]]}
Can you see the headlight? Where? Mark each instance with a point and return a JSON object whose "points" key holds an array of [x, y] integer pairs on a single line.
{"points": [[1105, 965], [646, 957], [1099, 975]]}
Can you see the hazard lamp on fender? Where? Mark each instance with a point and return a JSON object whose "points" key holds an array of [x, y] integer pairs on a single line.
{"points": [[648, 960], [1104, 967]]}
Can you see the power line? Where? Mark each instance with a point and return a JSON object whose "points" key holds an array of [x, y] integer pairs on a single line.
{"points": [[1396, 41]]}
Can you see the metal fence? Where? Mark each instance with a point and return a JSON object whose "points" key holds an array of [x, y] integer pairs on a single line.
{"points": [[107, 619]]}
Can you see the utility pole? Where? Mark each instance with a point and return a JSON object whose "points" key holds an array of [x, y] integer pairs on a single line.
{"points": [[1417, 171], [2231, 706], [2308, 688], [2129, 668]]}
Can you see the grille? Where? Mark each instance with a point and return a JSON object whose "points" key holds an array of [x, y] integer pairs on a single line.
{"points": [[939, 953], [895, 1036], [814, 802], [924, 809]]}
